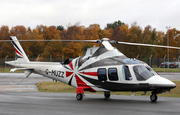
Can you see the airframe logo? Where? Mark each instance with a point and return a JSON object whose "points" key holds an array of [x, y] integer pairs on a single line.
{"points": [[110, 62]]}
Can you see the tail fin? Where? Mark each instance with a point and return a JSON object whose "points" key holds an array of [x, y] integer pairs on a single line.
{"points": [[19, 50]]}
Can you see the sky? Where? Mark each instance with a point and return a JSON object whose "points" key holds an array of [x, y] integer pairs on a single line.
{"points": [[158, 14]]}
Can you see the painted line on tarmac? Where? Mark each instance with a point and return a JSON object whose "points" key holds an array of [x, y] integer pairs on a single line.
{"points": [[32, 97]]}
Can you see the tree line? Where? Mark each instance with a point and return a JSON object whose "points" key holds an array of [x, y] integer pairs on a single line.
{"points": [[117, 30]]}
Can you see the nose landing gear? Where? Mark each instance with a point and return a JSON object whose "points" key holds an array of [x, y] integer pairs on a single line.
{"points": [[153, 97]]}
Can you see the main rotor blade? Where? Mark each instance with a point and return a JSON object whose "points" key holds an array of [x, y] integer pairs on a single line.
{"points": [[139, 44], [99, 41], [94, 41]]}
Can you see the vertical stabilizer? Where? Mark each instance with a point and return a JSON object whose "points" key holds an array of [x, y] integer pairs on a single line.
{"points": [[19, 50]]}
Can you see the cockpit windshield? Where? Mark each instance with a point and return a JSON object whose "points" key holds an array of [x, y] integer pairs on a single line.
{"points": [[142, 73]]}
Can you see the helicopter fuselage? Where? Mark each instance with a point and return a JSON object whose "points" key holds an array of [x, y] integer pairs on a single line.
{"points": [[103, 73], [100, 69]]}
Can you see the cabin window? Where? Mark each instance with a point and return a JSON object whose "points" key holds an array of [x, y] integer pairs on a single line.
{"points": [[112, 74], [126, 73], [142, 73], [102, 74]]}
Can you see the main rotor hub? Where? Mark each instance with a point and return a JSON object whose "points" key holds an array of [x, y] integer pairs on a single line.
{"points": [[107, 39], [104, 39]]}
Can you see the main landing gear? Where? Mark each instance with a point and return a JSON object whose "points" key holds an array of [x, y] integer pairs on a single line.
{"points": [[79, 96], [153, 97], [79, 93], [107, 94]]}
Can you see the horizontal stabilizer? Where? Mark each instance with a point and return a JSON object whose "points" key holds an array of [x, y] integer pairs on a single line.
{"points": [[13, 70], [27, 72]]}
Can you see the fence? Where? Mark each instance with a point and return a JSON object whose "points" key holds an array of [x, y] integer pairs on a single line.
{"points": [[153, 62], [156, 62]]}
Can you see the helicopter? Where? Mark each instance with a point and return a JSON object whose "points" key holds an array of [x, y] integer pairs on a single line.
{"points": [[99, 69]]}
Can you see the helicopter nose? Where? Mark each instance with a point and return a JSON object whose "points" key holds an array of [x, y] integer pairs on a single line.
{"points": [[169, 84], [162, 83]]}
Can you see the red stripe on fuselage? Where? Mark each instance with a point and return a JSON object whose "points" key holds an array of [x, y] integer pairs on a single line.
{"points": [[70, 65], [68, 73], [79, 81], [82, 84]]}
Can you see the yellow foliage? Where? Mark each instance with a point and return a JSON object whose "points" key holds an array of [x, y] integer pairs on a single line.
{"points": [[72, 50]]}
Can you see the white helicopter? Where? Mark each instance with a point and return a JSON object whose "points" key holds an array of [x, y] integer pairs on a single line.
{"points": [[99, 69]]}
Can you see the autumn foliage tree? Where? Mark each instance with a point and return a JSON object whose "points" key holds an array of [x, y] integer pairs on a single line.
{"points": [[5, 48], [36, 47], [72, 50]]}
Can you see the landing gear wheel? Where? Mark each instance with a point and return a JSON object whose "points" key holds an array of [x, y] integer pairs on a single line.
{"points": [[79, 96], [153, 97], [107, 94]]}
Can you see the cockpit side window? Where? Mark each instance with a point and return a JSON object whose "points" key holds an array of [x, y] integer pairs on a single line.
{"points": [[126, 73], [102, 74], [142, 73]]}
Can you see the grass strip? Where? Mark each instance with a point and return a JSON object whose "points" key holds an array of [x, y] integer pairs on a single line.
{"points": [[166, 69], [7, 70]]}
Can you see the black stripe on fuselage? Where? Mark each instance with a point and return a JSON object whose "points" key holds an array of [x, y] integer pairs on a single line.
{"points": [[114, 86], [111, 86], [65, 66], [69, 83]]}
